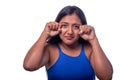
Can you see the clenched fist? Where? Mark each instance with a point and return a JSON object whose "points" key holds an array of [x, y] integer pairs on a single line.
{"points": [[52, 29], [87, 32]]}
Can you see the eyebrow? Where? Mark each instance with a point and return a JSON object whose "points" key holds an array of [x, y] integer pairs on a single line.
{"points": [[72, 24], [64, 22]]}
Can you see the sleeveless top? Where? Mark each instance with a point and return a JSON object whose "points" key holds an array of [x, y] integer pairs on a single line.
{"points": [[71, 68]]}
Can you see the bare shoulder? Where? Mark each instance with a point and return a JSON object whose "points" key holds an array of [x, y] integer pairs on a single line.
{"points": [[88, 50], [52, 49], [50, 46], [53, 56]]}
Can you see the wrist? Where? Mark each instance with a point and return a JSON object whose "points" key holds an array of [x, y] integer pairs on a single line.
{"points": [[93, 41], [45, 35]]}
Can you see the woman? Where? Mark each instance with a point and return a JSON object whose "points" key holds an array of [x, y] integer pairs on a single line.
{"points": [[69, 49]]}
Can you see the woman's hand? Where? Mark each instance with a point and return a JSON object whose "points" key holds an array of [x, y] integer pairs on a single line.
{"points": [[52, 29], [87, 32]]}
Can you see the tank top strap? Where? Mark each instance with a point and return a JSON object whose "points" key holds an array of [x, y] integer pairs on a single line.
{"points": [[58, 46], [81, 53], [82, 48]]}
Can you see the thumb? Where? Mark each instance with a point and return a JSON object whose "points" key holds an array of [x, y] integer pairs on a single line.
{"points": [[81, 32]]}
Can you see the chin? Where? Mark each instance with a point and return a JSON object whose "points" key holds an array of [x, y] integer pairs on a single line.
{"points": [[69, 43]]}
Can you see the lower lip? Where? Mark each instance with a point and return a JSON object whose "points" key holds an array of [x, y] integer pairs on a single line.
{"points": [[69, 38]]}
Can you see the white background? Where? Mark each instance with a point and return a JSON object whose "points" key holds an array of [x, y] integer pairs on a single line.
{"points": [[22, 21]]}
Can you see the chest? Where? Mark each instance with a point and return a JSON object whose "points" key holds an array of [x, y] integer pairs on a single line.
{"points": [[68, 67]]}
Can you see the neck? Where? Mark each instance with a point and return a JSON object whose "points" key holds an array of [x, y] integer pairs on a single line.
{"points": [[71, 47]]}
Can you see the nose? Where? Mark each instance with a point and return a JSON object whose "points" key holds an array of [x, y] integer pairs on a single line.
{"points": [[70, 31]]}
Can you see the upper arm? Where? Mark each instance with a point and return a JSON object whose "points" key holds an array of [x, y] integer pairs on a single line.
{"points": [[101, 65], [88, 52], [45, 56]]}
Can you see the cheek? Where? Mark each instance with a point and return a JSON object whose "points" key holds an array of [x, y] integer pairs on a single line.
{"points": [[62, 33], [63, 30], [77, 32]]}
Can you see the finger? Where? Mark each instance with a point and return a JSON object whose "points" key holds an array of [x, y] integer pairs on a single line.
{"points": [[81, 29], [53, 26], [90, 28], [50, 25], [85, 29], [60, 26], [57, 25], [81, 32]]}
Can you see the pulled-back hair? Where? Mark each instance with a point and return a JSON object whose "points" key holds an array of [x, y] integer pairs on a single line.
{"points": [[68, 10]]}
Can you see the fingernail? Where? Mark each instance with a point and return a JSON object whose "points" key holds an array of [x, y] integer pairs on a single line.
{"points": [[81, 31]]}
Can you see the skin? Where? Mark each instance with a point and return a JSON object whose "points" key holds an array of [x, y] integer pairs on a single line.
{"points": [[70, 29]]}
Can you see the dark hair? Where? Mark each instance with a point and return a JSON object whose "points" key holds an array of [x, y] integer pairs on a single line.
{"points": [[68, 10]]}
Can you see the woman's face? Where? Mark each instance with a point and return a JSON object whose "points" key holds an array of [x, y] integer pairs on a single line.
{"points": [[70, 29]]}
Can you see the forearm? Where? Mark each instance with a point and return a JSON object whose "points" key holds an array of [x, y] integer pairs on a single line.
{"points": [[34, 55], [102, 65]]}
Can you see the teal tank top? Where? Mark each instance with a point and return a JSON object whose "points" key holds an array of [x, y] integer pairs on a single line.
{"points": [[71, 68]]}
